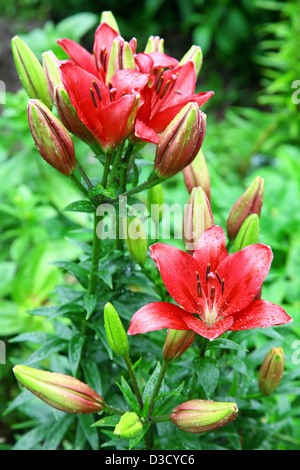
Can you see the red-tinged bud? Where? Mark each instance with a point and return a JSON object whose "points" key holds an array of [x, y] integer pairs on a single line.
{"points": [[248, 233], [180, 142], [199, 416], [51, 138], [51, 68], [271, 371], [177, 342], [108, 17], [197, 218], [30, 71], [121, 57], [154, 44], [68, 116], [129, 426], [196, 174], [60, 391], [249, 203], [194, 54]]}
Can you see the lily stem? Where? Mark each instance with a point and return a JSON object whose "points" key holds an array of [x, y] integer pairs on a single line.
{"points": [[134, 381]]}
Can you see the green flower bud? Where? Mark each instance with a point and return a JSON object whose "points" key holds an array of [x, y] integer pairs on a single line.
{"points": [[51, 138], [121, 57], [115, 332], [31, 72], [60, 391], [194, 55], [249, 203], [177, 342], [271, 371], [51, 68], [180, 142], [199, 416], [129, 426], [198, 217], [136, 240], [248, 233], [154, 44], [108, 17], [196, 174], [155, 201]]}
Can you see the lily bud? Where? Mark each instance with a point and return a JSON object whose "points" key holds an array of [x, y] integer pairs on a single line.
{"points": [[155, 201], [248, 233], [121, 57], [154, 44], [249, 203], [194, 54], [197, 218], [199, 416], [129, 426], [180, 142], [116, 335], [51, 138], [30, 71], [196, 174], [51, 68], [177, 342], [136, 240], [271, 371], [60, 391], [108, 17], [68, 116]]}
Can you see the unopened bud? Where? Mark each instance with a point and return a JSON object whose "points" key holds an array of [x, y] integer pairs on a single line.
{"points": [[108, 17], [198, 217], [68, 116], [30, 71], [129, 426], [136, 240], [271, 371], [60, 391], [177, 342], [249, 203], [155, 202], [154, 44], [194, 54], [115, 332], [181, 141], [51, 68], [51, 138], [199, 416], [121, 57], [196, 174], [248, 233]]}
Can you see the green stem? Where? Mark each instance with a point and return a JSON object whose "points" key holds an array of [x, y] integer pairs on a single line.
{"points": [[84, 176], [117, 157], [96, 240], [134, 381], [156, 389], [142, 187], [79, 185], [160, 419], [113, 410]]}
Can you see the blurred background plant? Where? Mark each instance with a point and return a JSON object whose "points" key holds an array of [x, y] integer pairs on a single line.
{"points": [[251, 58]]}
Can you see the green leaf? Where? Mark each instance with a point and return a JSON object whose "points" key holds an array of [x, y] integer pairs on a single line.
{"points": [[80, 206], [208, 373], [49, 348], [91, 433], [90, 302], [75, 347], [108, 421], [57, 432], [148, 390], [129, 395], [224, 344]]}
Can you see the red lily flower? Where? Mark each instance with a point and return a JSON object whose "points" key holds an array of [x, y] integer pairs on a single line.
{"points": [[216, 291], [169, 91], [109, 116]]}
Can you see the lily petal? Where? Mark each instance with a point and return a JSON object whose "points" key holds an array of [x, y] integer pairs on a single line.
{"points": [[79, 55], [211, 332], [260, 314], [243, 273], [156, 316], [178, 271]]}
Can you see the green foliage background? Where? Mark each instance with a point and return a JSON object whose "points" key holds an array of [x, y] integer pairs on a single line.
{"points": [[251, 58]]}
